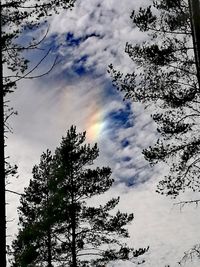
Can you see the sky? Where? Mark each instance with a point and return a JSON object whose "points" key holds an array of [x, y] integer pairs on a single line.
{"points": [[79, 91]]}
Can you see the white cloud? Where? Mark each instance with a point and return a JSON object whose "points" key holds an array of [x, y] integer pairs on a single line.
{"points": [[158, 223], [108, 19], [47, 109]]}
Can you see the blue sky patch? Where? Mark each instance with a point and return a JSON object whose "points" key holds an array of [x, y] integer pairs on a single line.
{"points": [[125, 143], [126, 158], [71, 40], [121, 118], [131, 182], [79, 66]]}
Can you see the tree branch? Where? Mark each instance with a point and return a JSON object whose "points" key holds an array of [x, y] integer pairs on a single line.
{"points": [[183, 203], [37, 65], [14, 192]]}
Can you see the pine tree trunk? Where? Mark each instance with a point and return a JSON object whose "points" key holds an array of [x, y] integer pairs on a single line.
{"points": [[73, 220], [74, 259], [49, 260], [195, 25], [2, 166], [74, 263]]}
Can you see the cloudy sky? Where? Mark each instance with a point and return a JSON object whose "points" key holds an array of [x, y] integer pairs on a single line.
{"points": [[79, 91]]}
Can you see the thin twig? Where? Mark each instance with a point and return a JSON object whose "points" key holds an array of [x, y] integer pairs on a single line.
{"points": [[14, 192], [183, 203]]}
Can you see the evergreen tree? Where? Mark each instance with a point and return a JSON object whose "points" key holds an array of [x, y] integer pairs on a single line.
{"points": [[166, 77], [81, 235], [36, 242], [18, 17]]}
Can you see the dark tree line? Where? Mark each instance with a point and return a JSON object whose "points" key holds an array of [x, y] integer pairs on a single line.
{"points": [[57, 225], [17, 16]]}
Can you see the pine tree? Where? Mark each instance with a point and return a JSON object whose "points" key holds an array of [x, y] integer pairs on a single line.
{"points": [[35, 242], [166, 78], [83, 235], [17, 18]]}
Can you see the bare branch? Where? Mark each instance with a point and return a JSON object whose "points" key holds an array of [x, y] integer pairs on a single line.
{"points": [[14, 192], [17, 5], [190, 254], [31, 46], [37, 65], [183, 203], [169, 32]]}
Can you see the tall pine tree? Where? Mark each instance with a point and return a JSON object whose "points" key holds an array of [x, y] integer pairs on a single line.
{"points": [[18, 17], [166, 77], [35, 241], [57, 224]]}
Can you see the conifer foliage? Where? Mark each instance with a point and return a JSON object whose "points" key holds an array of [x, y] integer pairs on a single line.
{"points": [[166, 77], [57, 225], [19, 17]]}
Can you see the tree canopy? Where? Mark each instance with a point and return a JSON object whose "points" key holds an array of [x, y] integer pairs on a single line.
{"points": [[166, 78], [57, 225], [17, 18]]}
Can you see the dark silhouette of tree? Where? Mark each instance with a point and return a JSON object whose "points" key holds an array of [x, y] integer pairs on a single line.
{"points": [[17, 17], [166, 77], [57, 224], [194, 6], [34, 217]]}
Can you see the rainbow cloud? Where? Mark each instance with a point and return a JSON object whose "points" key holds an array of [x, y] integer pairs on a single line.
{"points": [[95, 124]]}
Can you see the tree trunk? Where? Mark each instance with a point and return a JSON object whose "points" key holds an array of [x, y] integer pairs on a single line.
{"points": [[49, 248], [74, 259], [195, 26], [2, 166]]}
